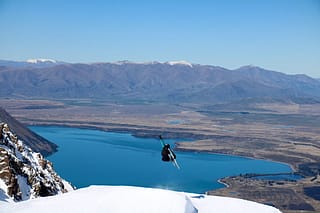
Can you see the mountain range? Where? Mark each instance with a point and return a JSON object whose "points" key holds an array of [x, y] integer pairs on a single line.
{"points": [[172, 82]]}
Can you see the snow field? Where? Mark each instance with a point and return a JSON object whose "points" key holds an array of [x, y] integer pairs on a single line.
{"points": [[129, 199]]}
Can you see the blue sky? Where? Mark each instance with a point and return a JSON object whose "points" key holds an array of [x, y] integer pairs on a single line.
{"points": [[281, 35]]}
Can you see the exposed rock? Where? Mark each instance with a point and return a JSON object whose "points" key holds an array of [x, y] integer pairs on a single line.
{"points": [[25, 173]]}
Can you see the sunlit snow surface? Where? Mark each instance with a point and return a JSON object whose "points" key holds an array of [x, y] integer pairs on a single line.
{"points": [[128, 199]]}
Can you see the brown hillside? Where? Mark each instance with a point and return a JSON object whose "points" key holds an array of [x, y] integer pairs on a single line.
{"points": [[31, 139]]}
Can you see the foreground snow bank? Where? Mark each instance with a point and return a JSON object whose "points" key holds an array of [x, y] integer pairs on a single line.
{"points": [[118, 199]]}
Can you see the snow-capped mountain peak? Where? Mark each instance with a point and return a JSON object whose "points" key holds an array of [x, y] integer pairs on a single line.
{"points": [[172, 63], [138, 63], [41, 60], [185, 63]]}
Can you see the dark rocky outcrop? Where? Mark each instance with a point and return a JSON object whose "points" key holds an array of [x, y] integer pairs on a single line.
{"points": [[26, 174]]}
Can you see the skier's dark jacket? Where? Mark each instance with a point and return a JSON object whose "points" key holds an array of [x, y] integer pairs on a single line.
{"points": [[166, 153]]}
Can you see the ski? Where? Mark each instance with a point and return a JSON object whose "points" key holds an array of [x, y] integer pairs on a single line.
{"points": [[174, 161]]}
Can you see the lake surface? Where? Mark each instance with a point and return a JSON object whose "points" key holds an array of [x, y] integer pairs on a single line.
{"points": [[93, 157]]}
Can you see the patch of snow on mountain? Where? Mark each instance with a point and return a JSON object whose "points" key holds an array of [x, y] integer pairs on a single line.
{"points": [[172, 63], [131, 62], [185, 63], [119, 199], [25, 188], [3, 195], [41, 60]]}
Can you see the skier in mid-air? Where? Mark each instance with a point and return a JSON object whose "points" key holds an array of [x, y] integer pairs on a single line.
{"points": [[166, 155]]}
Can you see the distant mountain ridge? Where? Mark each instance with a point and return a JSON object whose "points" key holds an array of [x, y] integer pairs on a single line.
{"points": [[36, 63], [167, 82]]}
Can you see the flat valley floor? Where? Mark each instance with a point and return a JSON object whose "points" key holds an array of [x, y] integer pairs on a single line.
{"points": [[282, 132]]}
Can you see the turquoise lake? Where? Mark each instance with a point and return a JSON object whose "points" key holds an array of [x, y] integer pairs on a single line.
{"points": [[92, 157]]}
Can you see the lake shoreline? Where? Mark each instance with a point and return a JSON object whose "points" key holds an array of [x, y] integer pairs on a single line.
{"points": [[155, 134], [138, 134], [229, 188]]}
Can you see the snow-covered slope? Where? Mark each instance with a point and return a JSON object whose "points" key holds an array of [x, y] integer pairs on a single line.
{"points": [[25, 174], [125, 199]]}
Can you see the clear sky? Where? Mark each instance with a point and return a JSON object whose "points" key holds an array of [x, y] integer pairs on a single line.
{"points": [[281, 35]]}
